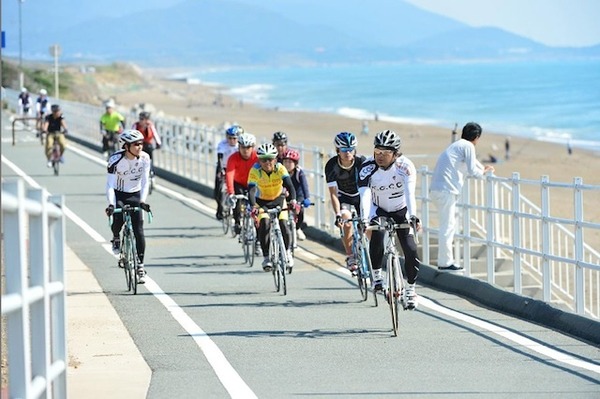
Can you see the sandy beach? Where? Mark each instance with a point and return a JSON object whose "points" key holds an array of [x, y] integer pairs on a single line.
{"points": [[529, 157]]}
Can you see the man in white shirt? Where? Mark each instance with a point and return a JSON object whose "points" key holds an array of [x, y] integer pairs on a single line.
{"points": [[453, 165]]}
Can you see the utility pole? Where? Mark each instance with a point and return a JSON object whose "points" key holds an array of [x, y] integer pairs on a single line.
{"points": [[55, 52], [21, 76]]}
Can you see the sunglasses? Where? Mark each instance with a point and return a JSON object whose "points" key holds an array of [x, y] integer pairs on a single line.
{"points": [[380, 153], [245, 148], [231, 137], [265, 160], [280, 144], [138, 143], [349, 149]]}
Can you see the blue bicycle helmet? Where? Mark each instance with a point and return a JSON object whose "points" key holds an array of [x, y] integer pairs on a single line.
{"points": [[234, 130], [345, 140]]}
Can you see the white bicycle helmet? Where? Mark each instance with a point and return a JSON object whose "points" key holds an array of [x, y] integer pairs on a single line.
{"points": [[130, 136], [267, 151], [389, 139], [247, 140], [43, 92], [109, 103]]}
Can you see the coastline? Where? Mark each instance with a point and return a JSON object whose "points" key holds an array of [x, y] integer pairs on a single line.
{"points": [[207, 104]]}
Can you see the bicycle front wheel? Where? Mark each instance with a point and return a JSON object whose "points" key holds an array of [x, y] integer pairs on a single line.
{"points": [[274, 256], [362, 273], [282, 264], [134, 264], [393, 292]]}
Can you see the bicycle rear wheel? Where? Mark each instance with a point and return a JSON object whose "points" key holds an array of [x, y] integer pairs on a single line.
{"points": [[55, 166], [393, 291], [127, 261]]}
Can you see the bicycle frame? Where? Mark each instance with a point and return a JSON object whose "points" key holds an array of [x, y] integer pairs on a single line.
{"points": [[360, 250], [55, 155], [128, 258], [394, 288], [277, 252]]}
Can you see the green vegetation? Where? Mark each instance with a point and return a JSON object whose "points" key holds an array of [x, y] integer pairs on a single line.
{"points": [[35, 78]]}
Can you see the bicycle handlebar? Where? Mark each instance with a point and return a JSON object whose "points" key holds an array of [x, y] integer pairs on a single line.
{"points": [[130, 209]]}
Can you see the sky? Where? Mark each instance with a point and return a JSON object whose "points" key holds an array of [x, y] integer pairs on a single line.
{"points": [[556, 23]]}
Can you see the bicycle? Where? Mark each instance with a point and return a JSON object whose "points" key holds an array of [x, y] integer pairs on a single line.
{"points": [[55, 156], [128, 259], [227, 210], [247, 236], [360, 251], [113, 142], [277, 251], [394, 287], [292, 221]]}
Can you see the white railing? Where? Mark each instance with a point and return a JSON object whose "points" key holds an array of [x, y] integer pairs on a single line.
{"points": [[34, 298], [554, 263], [504, 236]]}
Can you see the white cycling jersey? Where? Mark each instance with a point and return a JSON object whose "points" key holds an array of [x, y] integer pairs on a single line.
{"points": [[127, 175], [227, 150], [390, 189]]}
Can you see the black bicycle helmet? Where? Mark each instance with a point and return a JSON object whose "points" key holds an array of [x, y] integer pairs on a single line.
{"points": [[388, 139], [55, 108], [280, 136], [144, 115], [471, 131]]}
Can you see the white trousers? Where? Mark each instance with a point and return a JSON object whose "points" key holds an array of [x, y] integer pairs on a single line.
{"points": [[446, 206]]}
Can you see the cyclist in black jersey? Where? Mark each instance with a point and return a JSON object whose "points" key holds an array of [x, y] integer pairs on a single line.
{"points": [[341, 174], [55, 123]]}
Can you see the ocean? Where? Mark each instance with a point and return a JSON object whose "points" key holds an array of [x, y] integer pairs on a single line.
{"points": [[551, 101]]}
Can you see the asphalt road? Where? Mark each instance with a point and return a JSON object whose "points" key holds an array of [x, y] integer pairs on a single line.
{"points": [[209, 326]]}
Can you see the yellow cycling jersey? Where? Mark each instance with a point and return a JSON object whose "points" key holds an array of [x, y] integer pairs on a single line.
{"points": [[112, 121], [270, 186]]}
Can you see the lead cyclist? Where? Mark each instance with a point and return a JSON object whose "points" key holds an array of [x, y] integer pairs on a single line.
{"points": [[387, 184]]}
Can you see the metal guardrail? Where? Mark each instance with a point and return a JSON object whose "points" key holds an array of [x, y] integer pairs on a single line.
{"points": [[34, 298], [498, 221], [504, 238]]}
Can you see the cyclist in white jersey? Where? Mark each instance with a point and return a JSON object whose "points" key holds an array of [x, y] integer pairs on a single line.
{"points": [[386, 184], [225, 148], [127, 184]]}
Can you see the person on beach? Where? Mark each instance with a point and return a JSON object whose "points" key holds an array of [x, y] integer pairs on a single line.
{"points": [[237, 170], [341, 175], [151, 137], [112, 124], [55, 128], [280, 141], [290, 161], [266, 181], [453, 165], [507, 149], [128, 174], [225, 148], [387, 183]]}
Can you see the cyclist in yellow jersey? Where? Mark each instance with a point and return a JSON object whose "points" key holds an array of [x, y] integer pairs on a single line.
{"points": [[112, 124], [266, 181]]}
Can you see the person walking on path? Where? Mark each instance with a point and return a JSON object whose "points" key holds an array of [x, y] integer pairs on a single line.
{"points": [[453, 165]]}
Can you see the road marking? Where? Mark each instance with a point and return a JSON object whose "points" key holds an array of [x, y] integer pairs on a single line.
{"points": [[512, 336], [231, 380], [224, 369]]}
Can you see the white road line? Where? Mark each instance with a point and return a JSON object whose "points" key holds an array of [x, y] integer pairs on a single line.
{"points": [[512, 336], [231, 380]]}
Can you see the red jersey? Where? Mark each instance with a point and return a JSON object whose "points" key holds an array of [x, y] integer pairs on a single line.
{"points": [[150, 133], [238, 170]]}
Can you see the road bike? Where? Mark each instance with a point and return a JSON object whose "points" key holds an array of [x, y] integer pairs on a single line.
{"points": [[113, 142], [292, 223], [128, 259], [394, 286], [277, 251], [55, 156], [360, 251], [247, 236]]}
